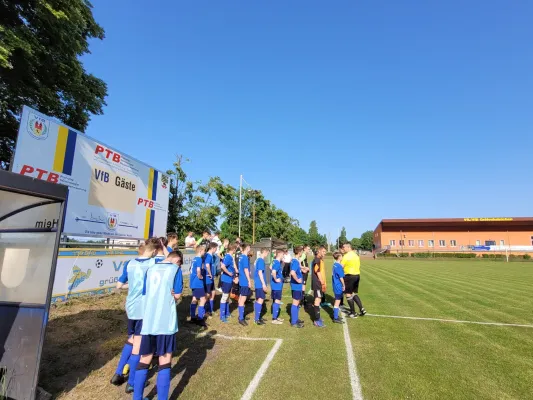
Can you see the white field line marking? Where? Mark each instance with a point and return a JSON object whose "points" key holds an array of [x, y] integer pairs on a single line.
{"points": [[252, 387], [352, 369], [262, 370], [450, 320]]}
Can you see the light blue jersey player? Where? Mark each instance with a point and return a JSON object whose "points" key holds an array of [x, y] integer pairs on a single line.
{"points": [[163, 285], [132, 278], [260, 285]]}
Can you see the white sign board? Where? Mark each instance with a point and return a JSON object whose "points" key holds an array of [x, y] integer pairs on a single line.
{"points": [[110, 193], [87, 272]]}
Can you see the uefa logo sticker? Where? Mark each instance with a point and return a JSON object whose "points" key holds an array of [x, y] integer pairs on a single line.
{"points": [[112, 221], [38, 127]]}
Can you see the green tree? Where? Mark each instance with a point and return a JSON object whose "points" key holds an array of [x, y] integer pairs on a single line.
{"points": [[41, 43], [315, 238], [356, 243], [367, 239], [192, 206], [342, 238]]}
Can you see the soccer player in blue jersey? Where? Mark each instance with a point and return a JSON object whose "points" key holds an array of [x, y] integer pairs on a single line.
{"points": [[244, 282], [132, 278], [228, 272], [296, 287], [276, 284], [338, 286], [197, 283], [260, 286], [163, 285], [210, 269], [172, 241]]}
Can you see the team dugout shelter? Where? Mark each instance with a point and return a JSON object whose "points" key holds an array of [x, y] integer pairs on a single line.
{"points": [[455, 235]]}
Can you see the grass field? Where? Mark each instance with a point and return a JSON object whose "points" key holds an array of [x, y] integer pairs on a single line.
{"points": [[395, 358]]}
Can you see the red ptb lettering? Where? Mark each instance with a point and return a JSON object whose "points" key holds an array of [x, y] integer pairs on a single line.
{"points": [[109, 152], [99, 149], [151, 204], [41, 172], [26, 169], [140, 201], [54, 178], [116, 157]]}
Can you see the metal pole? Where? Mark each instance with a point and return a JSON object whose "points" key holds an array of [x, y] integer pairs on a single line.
{"points": [[240, 205], [253, 223]]}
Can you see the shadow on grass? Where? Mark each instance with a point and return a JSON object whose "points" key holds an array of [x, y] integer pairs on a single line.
{"points": [[78, 344]]}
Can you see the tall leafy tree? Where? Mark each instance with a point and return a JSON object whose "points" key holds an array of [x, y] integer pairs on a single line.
{"points": [[342, 238], [41, 42], [315, 238], [367, 239]]}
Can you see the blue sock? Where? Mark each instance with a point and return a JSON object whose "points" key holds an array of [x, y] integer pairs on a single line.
{"points": [[227, 310], [275, 310], [212, 305], [193, 310], [140, 381], [134, 361], [241, 313], [124, 358], [294, 314], [163, 383], [257, 307], [207, 305], [335, 312], [222, 311], [201, 312]]}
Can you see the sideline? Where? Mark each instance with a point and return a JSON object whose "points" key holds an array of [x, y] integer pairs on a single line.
{"points": [[457, 321], [352, 369]]}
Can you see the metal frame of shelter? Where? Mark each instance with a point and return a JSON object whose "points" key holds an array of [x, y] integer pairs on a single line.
{"points": [[23, 325]]}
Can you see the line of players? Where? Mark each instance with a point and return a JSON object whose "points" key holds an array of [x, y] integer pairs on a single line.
{"points": [[155, 281]]}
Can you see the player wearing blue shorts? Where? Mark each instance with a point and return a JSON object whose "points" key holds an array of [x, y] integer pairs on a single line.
{"points": [[197, 283], [228, 272], [260, 286], [338, 286], [244, 282], [163, 285], [276, 284], [296, 287], [132, 278], [210, 269]]}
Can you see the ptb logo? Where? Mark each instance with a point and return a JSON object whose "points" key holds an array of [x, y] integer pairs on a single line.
{"points": [[39, 173], [147, 203], [108, 153]]}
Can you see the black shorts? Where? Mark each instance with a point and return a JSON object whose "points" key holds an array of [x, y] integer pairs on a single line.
{"points": [[304, 277], [352, 283], [318, 294]]}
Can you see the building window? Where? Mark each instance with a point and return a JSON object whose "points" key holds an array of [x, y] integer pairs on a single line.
{"points": [[490, 242], [502, 242], [453, 243], [392, 243], [420, 243], [431, 243], [478, 242], [402, 242], [442, 243], [411, 243]]}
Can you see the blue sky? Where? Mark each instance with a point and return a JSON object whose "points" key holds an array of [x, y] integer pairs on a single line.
{"points": [[346, 112]]}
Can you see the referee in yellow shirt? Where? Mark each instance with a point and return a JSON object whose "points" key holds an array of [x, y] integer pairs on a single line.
{"points": [[352, 274]]}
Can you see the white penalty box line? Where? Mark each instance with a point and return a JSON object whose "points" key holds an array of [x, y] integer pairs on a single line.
{"points": [[456, 321], [253, 385]]}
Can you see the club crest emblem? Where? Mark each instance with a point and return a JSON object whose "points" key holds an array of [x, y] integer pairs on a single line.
{"points": [[38, 127], [112, 221]]}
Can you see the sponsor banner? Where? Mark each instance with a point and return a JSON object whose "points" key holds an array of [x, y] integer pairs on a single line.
{"points": [[110, 193], [87, 272]]}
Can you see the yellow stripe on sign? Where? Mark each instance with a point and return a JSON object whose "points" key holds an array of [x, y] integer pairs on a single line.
{"points": [[147, 224], [61, 149], [150, 183]]}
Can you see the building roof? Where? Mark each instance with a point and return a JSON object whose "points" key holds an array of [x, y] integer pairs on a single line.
{"points": [[484, 223]]}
